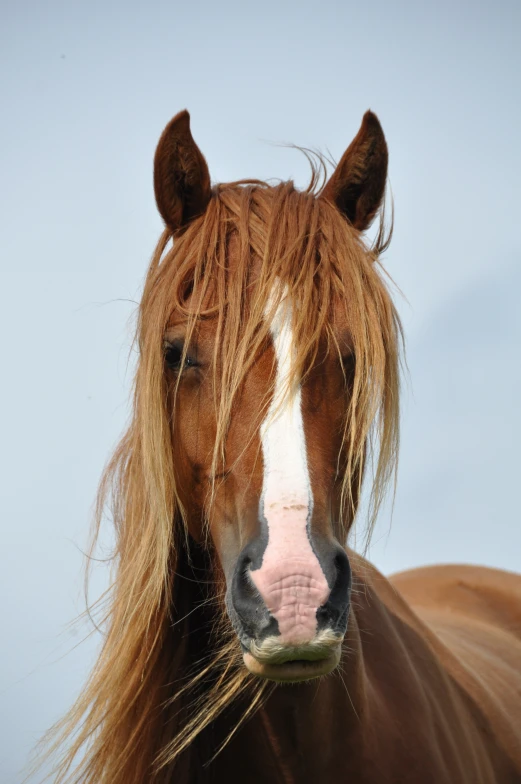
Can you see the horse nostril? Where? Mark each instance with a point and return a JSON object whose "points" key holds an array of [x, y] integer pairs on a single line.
{"points": [[343, 568], [342, 586], [334, 612], [242, 575], [246, 608]]}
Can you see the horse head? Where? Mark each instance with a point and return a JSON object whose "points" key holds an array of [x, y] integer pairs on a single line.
{"points": [[278, 343]]}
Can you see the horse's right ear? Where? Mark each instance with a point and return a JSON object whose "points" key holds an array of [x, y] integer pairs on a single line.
{"points": [[181, 176]]}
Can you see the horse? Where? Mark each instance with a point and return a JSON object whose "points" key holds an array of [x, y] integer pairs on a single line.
{"points": [[243, 639]]}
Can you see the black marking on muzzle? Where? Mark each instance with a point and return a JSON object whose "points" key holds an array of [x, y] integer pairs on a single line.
{"points": [[248, 613], [335, 612]]}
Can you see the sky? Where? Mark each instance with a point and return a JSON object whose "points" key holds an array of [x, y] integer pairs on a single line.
{"points": [[87, 88]]}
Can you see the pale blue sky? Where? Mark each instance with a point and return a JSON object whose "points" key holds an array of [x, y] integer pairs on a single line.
{"points": [[86, 90]]}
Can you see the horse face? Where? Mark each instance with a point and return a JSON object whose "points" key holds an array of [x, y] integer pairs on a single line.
{"points": [[273, 506], [272, 497]]}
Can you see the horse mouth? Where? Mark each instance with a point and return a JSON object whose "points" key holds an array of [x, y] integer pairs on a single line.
{"points": [[294, 670]]}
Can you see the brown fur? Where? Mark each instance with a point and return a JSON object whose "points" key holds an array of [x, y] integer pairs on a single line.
{"points": [[426, 688]]}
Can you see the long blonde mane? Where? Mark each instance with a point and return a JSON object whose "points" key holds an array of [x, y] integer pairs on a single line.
{"points": [[170, 665]]}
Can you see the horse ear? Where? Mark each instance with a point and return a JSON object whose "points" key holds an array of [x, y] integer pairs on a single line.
{"points": [[181, 176], [357, 185]]}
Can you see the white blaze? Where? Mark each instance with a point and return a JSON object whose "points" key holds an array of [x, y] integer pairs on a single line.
{"points": [[286, 476], [290, 579]]}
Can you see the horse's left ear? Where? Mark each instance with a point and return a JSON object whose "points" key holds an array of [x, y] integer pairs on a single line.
{"points": [[357, 185], [181, 176]]}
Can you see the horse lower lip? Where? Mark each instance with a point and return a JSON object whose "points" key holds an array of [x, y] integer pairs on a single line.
{"points": [[295, 670]]}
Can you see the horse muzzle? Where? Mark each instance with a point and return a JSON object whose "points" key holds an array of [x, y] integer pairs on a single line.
{"points": [[291, 613]]}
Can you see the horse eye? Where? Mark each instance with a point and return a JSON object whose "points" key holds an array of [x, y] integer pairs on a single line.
{"points": [[174, 357], [349, 364]]}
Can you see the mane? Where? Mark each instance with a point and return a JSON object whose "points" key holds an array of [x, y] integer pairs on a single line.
{"points": [[168, 668]]}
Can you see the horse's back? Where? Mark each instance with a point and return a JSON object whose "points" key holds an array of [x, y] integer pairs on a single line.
{"points": [[476, 613], [490, 596]]}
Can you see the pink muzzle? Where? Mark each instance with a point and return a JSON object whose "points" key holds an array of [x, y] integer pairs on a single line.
{"points": [[290, 579]]}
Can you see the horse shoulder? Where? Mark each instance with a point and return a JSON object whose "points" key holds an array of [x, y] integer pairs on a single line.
{"points": [[474, 613]]}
